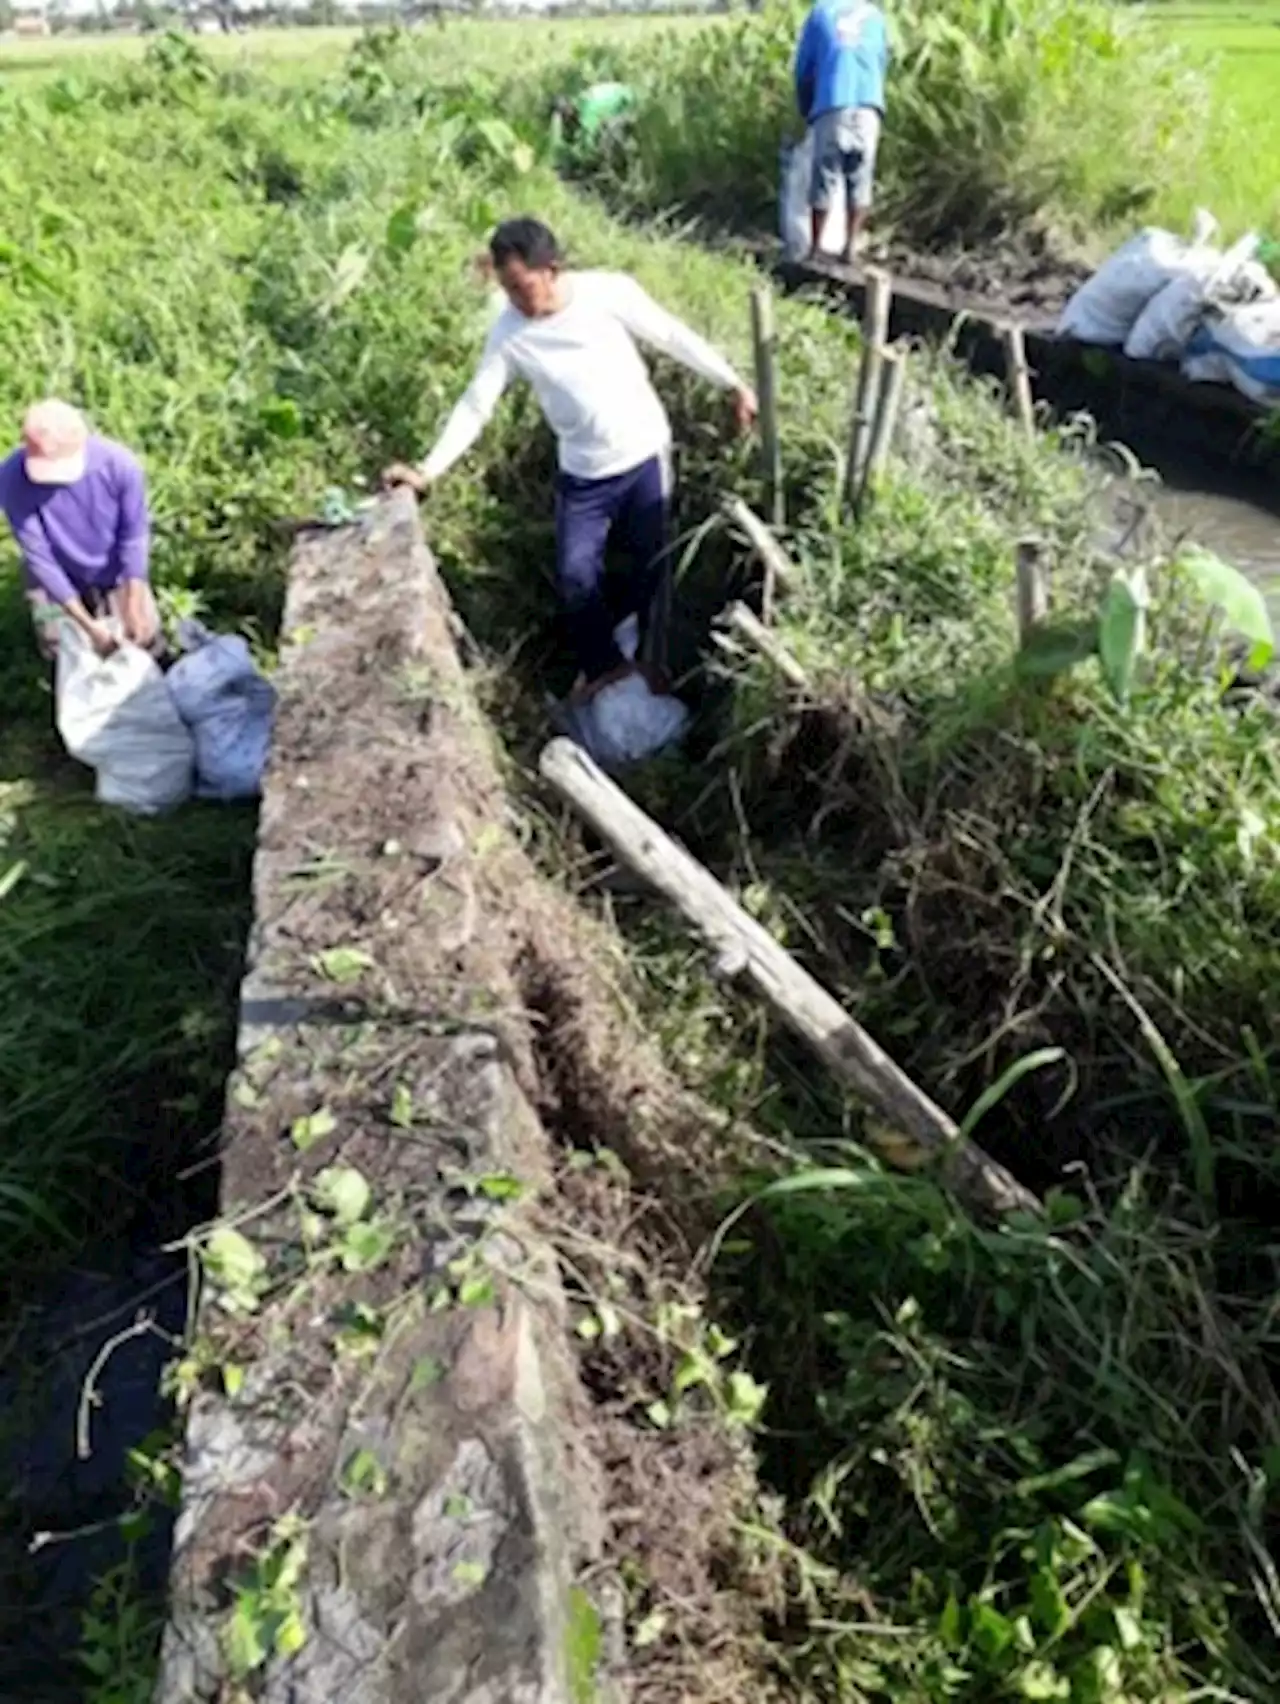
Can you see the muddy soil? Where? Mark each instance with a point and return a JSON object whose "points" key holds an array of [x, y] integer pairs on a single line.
{"points": [[1022, 275], [636, 1166], [1026, 277]]}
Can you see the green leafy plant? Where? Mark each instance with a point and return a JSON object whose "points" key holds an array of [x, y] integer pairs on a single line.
{"points": [[1118, 635], [312, 1127], [343, 1193], [343, 964], [364, 1475], [266, 1617], [120, 1633], [237, 1270], [1223, 587]]}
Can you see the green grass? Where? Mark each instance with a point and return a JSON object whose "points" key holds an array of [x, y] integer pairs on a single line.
{"points": [[120, 953], [468, 45], [213, 331], [1239, 45], [34, 57], [1227, 167], [975, 1431], [984, 132]]}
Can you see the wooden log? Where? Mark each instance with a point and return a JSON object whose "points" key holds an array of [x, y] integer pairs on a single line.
{"points": [[917, 1132], [754, 633], [875, 331], [893, 376], [1019, 376], [1033, 586], [764, 338], [779, 569]]}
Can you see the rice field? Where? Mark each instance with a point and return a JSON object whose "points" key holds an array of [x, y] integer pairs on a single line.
{"points": [[1238, 44]]}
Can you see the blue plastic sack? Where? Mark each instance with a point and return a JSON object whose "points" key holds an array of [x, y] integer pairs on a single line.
{"points": [[229, 707]]}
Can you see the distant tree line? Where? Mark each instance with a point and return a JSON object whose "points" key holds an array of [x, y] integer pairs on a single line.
{"points": [[148, 16]]}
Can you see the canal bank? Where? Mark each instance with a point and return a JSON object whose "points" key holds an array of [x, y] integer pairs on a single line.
{"points": [[1214, 458]]}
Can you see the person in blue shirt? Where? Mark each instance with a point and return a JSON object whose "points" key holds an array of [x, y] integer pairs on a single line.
{"points": [[841, 63]]}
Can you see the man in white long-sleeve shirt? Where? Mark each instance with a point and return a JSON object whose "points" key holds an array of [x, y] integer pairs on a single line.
{"points": [[571, 335]]}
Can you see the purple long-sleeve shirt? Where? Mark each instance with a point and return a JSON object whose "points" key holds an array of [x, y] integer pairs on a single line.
{"points": [[92, 534]]}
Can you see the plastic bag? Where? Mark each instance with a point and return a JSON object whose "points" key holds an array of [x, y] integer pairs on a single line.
{"points": [[1165, 326], [625, 722], [229, 707], [795, 169], [1106, 307], [1241, 347], [115, 714]]}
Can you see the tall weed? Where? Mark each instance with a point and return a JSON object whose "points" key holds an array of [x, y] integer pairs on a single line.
{"points": [[1001, 113]]}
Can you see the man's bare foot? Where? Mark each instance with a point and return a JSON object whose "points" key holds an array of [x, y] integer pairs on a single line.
{"points": [[585, 690], [656, 679]]}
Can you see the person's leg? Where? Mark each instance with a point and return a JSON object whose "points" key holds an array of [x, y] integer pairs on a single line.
{"points": [[644, 530], [585, 511], [44, 622], [825, 175], [47, 617], [860, 172]]}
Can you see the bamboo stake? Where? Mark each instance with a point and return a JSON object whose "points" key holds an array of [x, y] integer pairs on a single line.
{"points": [[764, 337], [918, 1133], [742, 622], [1019, 376], [778, 566], [1033, 587], [893, 375], [875, 331]]}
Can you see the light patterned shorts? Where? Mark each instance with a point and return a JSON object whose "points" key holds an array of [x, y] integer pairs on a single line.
{"points": [[45, 615], [844, 151]]}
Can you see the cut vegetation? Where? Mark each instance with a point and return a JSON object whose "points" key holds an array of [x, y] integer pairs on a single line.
{"points": [[1033, 1459]]}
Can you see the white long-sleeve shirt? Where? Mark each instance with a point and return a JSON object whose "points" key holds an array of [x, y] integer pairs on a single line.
{"points": [[591, 383]]}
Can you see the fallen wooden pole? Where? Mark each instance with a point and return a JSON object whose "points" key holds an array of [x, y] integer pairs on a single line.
{"points": [[1033, 587], [779, 569], [764, 338], [739, 619], [919, 1133], [893, 376], [1019, 376], [875, 331]]}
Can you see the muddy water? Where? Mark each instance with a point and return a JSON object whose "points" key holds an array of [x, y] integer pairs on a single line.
{"points": [[1234, 514], [1240, 520]]}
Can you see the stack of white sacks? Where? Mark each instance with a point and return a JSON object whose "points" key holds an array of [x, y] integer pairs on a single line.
{"points": [[1162, 298]]}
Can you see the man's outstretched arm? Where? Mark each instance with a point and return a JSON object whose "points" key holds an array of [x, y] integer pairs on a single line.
{"points": [[652, 325], [471, 414]]}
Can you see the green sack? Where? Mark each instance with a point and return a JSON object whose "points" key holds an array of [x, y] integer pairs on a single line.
{"points": [[601, 103], [590, 114]]}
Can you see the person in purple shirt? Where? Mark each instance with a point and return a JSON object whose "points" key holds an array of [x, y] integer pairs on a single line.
{"points": [[77, 506]]}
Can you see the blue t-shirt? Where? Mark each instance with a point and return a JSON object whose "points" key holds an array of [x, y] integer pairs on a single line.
{"points": [[842, 58]]}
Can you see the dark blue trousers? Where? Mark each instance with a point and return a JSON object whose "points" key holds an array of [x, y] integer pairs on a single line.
{"points": [[635, 508]]}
